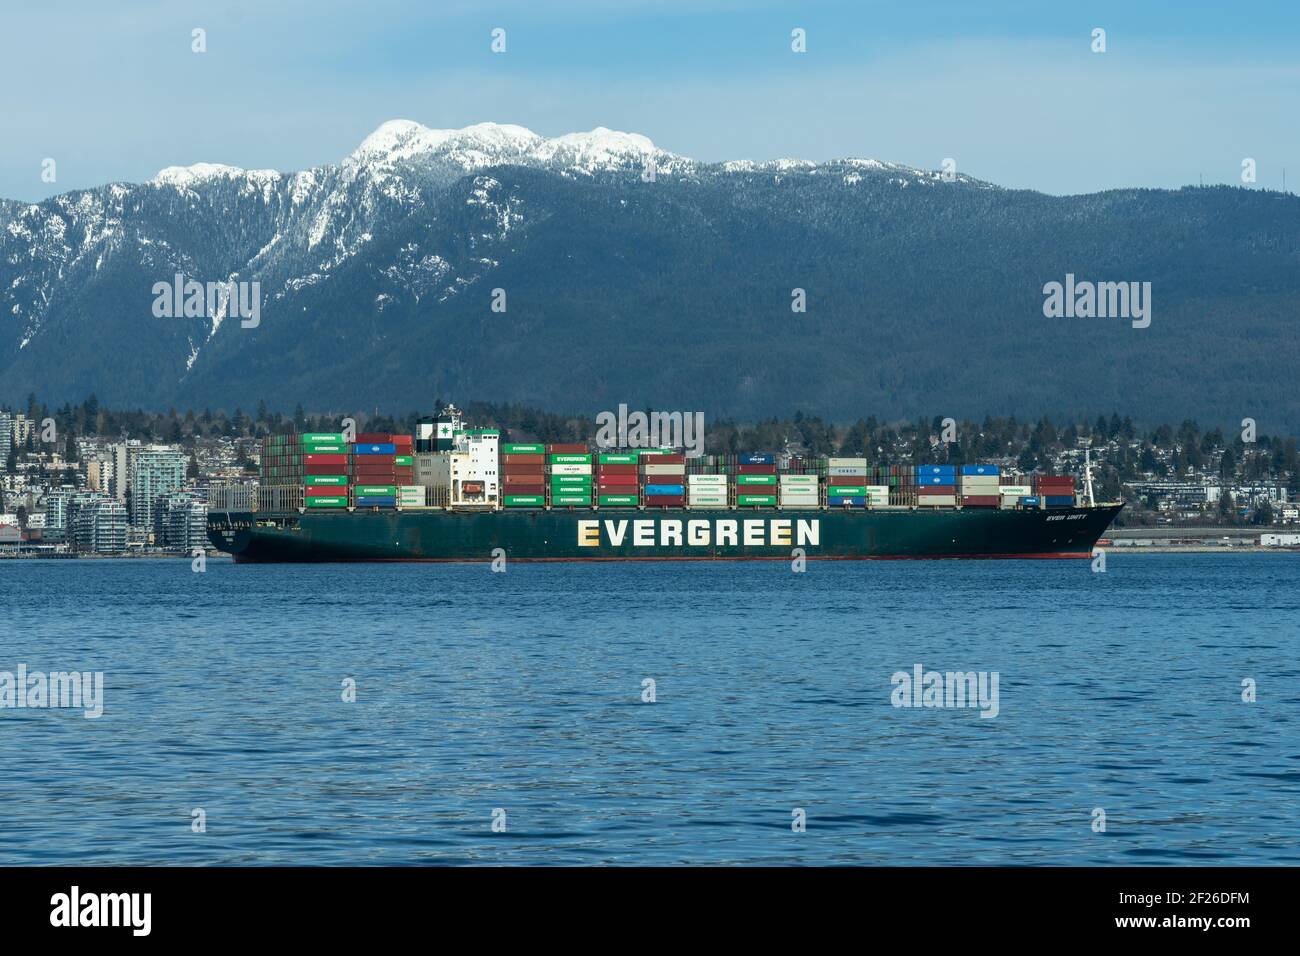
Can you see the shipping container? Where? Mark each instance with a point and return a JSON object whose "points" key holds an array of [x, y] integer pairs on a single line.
{"points": [[847, 490], [573, 448], [617, 481], [1015, 490], [856, 463], [708, 501], [617, 501], [755, 470], [525, 490], [324, 459], [571, 481], [655, 470], [518, 449], [756, 499], [523, 459], [665, 490], [1029, 501], [618, 458], [666, 501], [980, 470], [937, 489], [850, 501], [570, 500], [926, 497], [524, 501], [756, 479], [1058, 501], [329, 479], [759, 459], [979, 501], [573, 469], [368, 490], [617, 470], [375, 501], [570, 459], [320, 491], [313, 437], [940, 470], [384, 448], [326, 501], [404, 461]]}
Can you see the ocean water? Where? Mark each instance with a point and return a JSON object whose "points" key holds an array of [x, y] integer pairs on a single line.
{"points": [[522, 692]]}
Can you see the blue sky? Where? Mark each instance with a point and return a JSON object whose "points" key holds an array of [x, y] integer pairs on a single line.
{"points": [[1010, 90]]}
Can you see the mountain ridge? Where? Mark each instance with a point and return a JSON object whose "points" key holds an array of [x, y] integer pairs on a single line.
{"points": [[376, 276]]}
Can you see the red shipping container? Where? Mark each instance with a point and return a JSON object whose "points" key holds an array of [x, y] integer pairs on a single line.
{"points": [[526, 490], [670, 501], [617, 481], [755, 470], [671, 459], [980, 501], [523, 459], [313, 491], [325, 459], [603, 470], [525, 478], [570, 449], [937, 489], [326, 469]]}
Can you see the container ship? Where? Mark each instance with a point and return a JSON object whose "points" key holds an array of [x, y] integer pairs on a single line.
{"points": [[451, 493]]}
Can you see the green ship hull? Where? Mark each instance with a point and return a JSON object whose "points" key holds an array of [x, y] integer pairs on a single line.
{"points": [[660, 534]]}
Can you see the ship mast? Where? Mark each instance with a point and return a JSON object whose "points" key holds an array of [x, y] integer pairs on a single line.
{"points": [[1087, 470]]}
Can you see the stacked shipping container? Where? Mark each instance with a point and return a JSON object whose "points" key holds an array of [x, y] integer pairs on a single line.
{"points": [[570, 475], [380, 463], [663, 478], [523, 475], [755, 481], [617, 480]]}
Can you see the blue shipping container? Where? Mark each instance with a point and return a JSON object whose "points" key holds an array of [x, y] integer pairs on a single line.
{"points": [[1058, 501], [376, 501], [758, 459], [387, 449], [665, 489], [980, 470], [1029, 501], [937, 480], [937, 470], [841, 500]]}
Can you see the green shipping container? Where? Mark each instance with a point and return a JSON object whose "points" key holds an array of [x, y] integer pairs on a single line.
{"points": [[404, 460], [324, 448], [653, 451], [524, 501], [615, 500], [570, 459], [755, 499], [570, 479], [329, 479], [570, 499], [523, 449], [850, 490], [756, 479], [374, 489], [618, 458], [330, 501], [335, 437]]}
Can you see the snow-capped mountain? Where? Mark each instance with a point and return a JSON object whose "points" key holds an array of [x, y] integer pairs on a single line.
{"points": [[630, 274]]}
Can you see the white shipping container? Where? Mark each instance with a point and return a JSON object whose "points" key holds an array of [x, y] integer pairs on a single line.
{"points": [[878, 490], [1015, 491], [859, 463], [937, 500], [708, 502], [571, 469], [707, 479], [979, 481], [847, 472], [664, 470]]}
